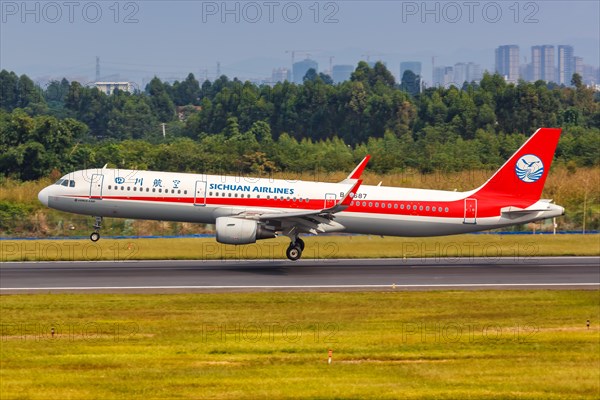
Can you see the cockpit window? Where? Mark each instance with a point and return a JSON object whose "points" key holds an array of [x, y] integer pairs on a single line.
{"points": [[65, 182]]}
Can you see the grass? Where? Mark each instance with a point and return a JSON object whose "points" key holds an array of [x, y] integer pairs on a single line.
{"points": [[317, 247], [451, 344]]}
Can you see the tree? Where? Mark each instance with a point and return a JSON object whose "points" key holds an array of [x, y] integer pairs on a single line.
{"points": [[311, 75], [411, 83], [187, 92]]}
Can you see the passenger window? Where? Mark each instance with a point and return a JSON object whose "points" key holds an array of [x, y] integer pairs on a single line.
{"points": [[153, 190], [109, 187], [134, 189], [447, 209], [159, 190], [122, 187]]}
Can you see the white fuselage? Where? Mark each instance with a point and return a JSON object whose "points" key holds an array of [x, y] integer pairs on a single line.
{"points": [[202, 198]]}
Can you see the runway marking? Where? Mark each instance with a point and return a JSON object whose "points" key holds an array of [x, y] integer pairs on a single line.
{"points": [[393, 286]]}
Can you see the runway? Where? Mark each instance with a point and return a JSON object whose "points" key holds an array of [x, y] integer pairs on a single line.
{"points": [[305, 275]]}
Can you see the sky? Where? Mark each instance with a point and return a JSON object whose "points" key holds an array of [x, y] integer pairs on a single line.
{"points": [[137, 40]]}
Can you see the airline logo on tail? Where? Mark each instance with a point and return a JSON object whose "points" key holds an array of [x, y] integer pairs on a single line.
{"points": [[529, 168]]}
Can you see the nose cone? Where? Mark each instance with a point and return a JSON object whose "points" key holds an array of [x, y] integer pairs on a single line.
{"points": [[43, 196]]}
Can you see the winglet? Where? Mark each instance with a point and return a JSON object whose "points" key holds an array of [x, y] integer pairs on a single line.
{"points": [[357, 172]]}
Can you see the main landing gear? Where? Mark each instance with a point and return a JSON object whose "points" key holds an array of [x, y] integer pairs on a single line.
{"points": [[294, 251], [95, 236]]}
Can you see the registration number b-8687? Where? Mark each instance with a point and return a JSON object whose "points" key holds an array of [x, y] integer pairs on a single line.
{"points": [[356, 196]]}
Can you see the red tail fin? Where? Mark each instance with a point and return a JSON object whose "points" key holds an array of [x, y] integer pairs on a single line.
{"points": [[524, 174]]}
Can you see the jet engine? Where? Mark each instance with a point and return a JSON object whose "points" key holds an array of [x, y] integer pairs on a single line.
{"points": [[241, 231]]}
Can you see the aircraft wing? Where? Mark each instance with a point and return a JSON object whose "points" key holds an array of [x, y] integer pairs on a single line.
{"points": [[308, 221], [312, 221], [340, 206]]}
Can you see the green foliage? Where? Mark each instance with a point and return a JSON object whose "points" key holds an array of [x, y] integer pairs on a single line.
{"points": [[231, 126], [11, 213]]}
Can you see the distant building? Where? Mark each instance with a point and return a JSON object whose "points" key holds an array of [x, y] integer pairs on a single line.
{"points": [[474, 72], [341, 73], [110, 87], [542, 63], [460, 74], [507, 62], [281, 75], [578, 65], [566, 64], [590, 75], [300, 69], [444, 76], [414, 66]]}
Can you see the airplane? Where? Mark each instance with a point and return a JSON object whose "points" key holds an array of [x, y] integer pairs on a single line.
{"points": [[245, 209]]}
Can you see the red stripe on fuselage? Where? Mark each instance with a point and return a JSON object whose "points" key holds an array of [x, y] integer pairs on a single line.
{"points": [[485, 208]]}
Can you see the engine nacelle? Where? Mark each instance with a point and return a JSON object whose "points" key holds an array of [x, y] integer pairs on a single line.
{"points": [[241, 231]]}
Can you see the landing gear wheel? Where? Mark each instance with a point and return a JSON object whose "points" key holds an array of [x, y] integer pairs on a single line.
{"points": [[300, 243], [294, 252], [95, 236]]}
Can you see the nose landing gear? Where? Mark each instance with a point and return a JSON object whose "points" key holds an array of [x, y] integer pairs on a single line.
{"points": [[95, 236]]}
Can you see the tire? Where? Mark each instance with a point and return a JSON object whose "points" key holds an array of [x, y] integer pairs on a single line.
{"points": [[294, 252], [95, 236], [300, 242]]}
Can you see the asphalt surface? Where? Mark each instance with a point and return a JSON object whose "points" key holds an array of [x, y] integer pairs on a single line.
{"points": [[305, 275]]}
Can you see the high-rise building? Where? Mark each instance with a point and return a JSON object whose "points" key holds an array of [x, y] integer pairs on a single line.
{"points": [[443, 76], [300, 68], [341, 73], [460, 74], [474, 72], [542, 63], [466, 72], [414, 66], [566, 64], [578, 61], [281, 75], [507, 62]]}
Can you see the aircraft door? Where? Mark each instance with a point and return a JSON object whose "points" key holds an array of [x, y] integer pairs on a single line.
{"points": [[200, 193], [330, 200], [470, 211], [96, 186]]}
